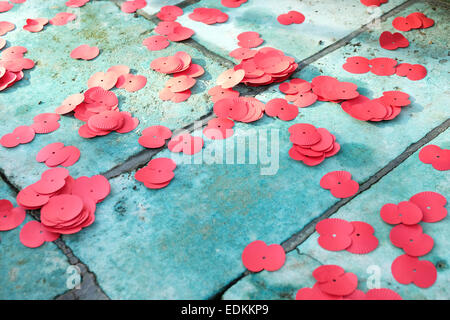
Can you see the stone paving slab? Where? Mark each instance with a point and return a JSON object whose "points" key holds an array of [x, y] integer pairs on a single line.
{"points": [[185, 241], [119, 36], [409, 178], [191, 234], [323, 25], [29, 273]]}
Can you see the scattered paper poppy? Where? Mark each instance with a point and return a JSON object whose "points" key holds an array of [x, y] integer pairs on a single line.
{"points": [[208, 15], [157, 174], [370, 3], [393, 41], [437, 157], [156, 43], [229, 78], [6, 27], [76, 3], [363, 238], [105, 80], [70, 103], [432, 205], [56, 154], [5, 6], [413, 72], [169, 13], [232, 3], [132, 6], [155, 136], [20, 135], [219, 128], [407, 269], [10, 217], [411, 239], [340, 184], [282, 109], [35, 25], [33, 235], [85, 52], [335, 234], [258, 256], [62, 18], [131, 82], [405, 212], [291, 17]]}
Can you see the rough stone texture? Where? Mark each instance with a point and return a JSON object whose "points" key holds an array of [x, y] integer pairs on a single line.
{"points": [[409, 178], [28, 273], [185, 241]]}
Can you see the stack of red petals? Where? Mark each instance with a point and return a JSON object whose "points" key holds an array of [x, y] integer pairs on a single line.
{"points": [[174, 31], [184, 71], [356, 237], [157, 174], [333, 283], [331, 89], [266, 66], [243, 109], [312, 145]]}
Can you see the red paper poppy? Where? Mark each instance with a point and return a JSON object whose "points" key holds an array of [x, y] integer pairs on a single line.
{"points": [[363, 239], [357, 65], [132, 6], [232, 3], [340, 184], [157, 174], [155, 43], [282, 109], [131, 82], [396, 98], [258, 256], [76, 3], [5, 6], [208, 15], [62, 18], [314, 293], [407, 269], [180, 83], [105, 80], [6, 27], [383, 66], [84, 52], [411, 239], [335, 234], [304, 134], [33, 235], [437, 157], [291, 17], [180, 33], [392, 41], [219, 128], [155, 137], [186, 143], [334, 280], [382, 294], [35, 25], [405, 212], [406, 24], [255, 110], [432, 205], [425, 21], [229, 78], [218, 93], [10, 217], [233, 108], [370, 3], [20, 135], [193, 71], [169, 13], [243, 53], [95, 188], [413, 72], [45, 122], [70, 103]]}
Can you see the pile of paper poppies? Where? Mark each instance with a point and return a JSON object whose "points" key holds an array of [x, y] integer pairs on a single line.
{"points": [[387, 107], [333, 283], [177, 89], [265, 66], [66, 205], [312, 145], [12, 64], [428, 207]]}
